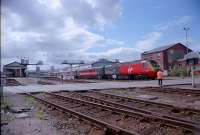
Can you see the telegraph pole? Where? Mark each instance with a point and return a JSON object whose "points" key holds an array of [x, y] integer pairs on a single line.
{"points": [[186, 29]]}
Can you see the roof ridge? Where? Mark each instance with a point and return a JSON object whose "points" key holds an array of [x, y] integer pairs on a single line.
{"points": [[161, 48]]}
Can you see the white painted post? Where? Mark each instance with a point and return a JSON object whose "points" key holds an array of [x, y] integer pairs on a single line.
{"points": [[71, 73], [193, 81], [114, 77], [20, 72]]}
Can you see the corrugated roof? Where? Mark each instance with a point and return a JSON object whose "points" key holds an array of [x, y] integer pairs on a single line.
{"points": [[14, 64], [192, 55], [159, 49]]}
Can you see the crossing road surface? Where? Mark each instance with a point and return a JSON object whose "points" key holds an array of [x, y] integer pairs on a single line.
{"points": [[98, 85]]}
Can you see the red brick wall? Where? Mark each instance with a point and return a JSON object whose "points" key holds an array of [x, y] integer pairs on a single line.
{"points": [[158, 57], [174, 53], [167, 57], [17, 72]]}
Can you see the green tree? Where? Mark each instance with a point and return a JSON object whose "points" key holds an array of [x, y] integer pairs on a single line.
{"points": [[178, 71]]}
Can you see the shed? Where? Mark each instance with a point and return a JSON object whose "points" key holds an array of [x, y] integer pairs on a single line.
{"points": [[192, 58], [15, 69]]}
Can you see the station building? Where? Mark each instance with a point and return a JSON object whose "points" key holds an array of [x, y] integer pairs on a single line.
{"points": [[15, 69], [166, 56]]}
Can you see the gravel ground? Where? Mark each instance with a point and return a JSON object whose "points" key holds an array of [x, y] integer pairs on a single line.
{"points": [[183, 114], [130, 123], [22, 115], [38, 120]]}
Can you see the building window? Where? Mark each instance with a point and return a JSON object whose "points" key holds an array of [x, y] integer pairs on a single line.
{"points": [[171, 51], [158, 55]]}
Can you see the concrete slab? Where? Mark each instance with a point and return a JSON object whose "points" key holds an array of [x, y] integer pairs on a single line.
{"points": [[22, 115], [149, 97]]}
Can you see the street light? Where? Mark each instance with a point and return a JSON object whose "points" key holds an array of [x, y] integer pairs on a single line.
{"points": [[186, 29]]}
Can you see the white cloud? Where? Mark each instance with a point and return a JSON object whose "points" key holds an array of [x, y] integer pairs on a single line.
{"points": [[130, 53], [53, 4], [54, 30], [121, 53], [152, 40], [148, 42]]}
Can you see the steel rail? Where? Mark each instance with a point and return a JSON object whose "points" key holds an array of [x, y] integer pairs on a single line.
{"points": [[166, 89], [136, 109], [95, 122], [172, 121], [95, 104], [175, 90], [148, 102]]}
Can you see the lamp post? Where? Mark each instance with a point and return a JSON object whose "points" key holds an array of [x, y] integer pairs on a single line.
{"points": [[186, 29]]}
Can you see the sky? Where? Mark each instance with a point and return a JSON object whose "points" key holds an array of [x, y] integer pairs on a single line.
{"points": [[57, 30]]}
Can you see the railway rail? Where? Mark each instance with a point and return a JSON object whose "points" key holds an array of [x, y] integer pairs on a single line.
{"points": [[91, 110], [174, 90], [12, 82], [150, 102], [109, 128], [149, 107]]}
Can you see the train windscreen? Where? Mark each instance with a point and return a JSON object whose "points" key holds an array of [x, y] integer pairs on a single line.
{"points": [[154, 64]]}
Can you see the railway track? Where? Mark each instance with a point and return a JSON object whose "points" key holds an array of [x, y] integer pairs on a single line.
{"points": [[163, 110], [12, 82], [62, 106], [174, 90], [141, 122]]}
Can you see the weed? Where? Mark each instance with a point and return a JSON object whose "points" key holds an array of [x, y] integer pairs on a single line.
{"points": [[40, 115]]}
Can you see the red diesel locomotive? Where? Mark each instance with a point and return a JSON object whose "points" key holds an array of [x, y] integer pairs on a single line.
{"points": [[129, 70]]}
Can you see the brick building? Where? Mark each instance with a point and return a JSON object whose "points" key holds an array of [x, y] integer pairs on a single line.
{"points": [[166, 56]]}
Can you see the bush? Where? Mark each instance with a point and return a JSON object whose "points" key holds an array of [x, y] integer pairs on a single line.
{"points": [[179, 71]]}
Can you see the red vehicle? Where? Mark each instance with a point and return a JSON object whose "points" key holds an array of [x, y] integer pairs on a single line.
{"points": [[139, 69], [91, 73]]}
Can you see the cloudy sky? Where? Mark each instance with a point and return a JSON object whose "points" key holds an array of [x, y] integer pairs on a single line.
{"points": [[57, 30]]}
